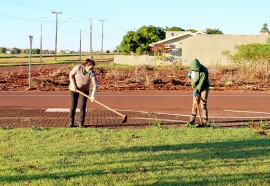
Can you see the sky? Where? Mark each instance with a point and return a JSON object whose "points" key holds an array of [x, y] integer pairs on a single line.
{"points": [[21, 18]]}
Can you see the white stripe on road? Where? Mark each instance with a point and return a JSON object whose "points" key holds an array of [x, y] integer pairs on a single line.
{"points": [[61, 110], [158, 119], [251, 112]]}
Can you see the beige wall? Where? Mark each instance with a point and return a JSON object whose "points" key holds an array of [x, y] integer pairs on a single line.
{"points": [[138, 60], [208, 48]]}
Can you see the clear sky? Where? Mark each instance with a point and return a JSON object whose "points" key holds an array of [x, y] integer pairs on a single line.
{"points": [[21, 18]]}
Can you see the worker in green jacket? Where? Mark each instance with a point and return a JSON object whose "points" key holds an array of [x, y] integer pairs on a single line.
{"points": [[200, 83]]}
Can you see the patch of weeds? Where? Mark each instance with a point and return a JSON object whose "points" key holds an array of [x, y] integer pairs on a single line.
{"points": [[7, 128], [259, 125], [39, 128], [264, 124], [156, 123], [77, 132], [159, 126], [148, 67], [190, 125], [263, 133], [213, 125], [206, 125]]}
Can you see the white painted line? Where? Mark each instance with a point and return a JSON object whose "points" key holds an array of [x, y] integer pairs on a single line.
{"points": [[158, 119], [61, 110], [251, 112], [145, 112], [179, 115], [240, 117]]}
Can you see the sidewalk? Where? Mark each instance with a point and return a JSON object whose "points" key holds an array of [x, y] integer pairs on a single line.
{"points": [[27, 118], [99, 118]]}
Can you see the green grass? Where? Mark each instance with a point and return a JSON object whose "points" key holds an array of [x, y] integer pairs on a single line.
{"points": [[158, 156], [22, 59]]}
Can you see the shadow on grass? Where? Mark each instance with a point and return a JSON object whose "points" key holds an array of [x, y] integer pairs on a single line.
{"points": [[228, 149], [229, 153]]}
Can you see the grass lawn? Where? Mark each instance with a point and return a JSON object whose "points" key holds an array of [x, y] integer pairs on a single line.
{"points": [[154, 156], [23, 59]]}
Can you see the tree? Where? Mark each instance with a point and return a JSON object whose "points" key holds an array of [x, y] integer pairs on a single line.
{"points": [[3, 50], [213, 31], [253, 59], [26, 51], [138, 42], [265, 28], [36, 51], [174, 28], [16, 50], [192, 30], [158, 49], [129, 43]]}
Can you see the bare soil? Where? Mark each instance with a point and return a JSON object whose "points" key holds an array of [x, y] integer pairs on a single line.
{"points": [[55, 78]]}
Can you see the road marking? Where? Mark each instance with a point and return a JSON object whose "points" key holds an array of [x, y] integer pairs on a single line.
{"points": [[157, 119], [251, 112], [150, 112], [184, 115], [60, 110]]}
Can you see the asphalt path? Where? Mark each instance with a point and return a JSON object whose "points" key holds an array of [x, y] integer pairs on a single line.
{"points": [[220, 105]]}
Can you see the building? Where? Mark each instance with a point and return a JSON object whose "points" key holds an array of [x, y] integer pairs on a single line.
{"points": [[208, 48]]}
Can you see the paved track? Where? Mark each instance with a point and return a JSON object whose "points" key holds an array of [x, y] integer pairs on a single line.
{"points": [[26, 109]]}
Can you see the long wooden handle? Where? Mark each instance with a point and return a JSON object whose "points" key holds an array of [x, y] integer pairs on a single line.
{"points": [[199, 111], [101, 104]]}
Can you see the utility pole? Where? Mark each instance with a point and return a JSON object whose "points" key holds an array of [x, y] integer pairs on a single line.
{"points": [[56, 28], [30, 60], [91, 49], [102, 37], [80, 45], [41, 43]]}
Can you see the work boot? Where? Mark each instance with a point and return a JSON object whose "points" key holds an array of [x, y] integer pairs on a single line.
{"points": [[200, 126], [206, 124], [192, 122], [81, 125], [72, 124]]}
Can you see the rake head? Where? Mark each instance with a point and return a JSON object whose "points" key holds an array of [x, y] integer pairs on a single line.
{"points": [[125, 120]]}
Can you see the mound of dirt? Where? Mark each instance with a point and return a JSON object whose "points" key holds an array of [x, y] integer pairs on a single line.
{"points": [[55, 78]]}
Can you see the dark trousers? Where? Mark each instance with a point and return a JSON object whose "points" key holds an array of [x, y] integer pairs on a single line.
{"points": [[74, 98]]}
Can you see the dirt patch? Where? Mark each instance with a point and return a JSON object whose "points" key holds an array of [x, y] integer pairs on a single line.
{"points": [[55, 78]]}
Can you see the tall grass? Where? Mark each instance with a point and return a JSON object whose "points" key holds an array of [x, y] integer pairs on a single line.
{"points": [[186, 156]]}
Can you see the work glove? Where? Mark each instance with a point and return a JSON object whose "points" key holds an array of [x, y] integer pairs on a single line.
{"points": [[189, 74], [93, 95], [92, 99], [73, 87], [195, 94]]}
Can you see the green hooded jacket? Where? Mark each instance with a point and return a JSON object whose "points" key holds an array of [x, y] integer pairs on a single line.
{"points": [[199, 76]]}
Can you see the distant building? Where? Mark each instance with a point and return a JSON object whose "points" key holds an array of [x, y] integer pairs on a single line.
{"points": [[9, 52], [264, 33], [208, 48]]}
